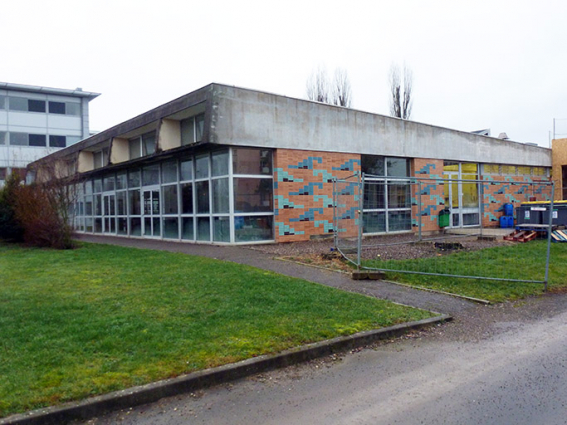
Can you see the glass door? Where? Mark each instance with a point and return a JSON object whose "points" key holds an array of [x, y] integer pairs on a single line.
{"points": [[109, 213], [151, 221], [461, 196]]}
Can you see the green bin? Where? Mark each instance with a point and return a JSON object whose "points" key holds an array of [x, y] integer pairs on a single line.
{"points": [[444, 217]]}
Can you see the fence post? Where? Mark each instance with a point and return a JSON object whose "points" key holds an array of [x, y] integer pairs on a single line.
{"points": [[419, 208], [549, 230], [335, 220], [360, 217]]}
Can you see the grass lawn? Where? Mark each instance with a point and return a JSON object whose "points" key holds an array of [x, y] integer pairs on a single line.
{"points": [[518, 261], [101, 318]]}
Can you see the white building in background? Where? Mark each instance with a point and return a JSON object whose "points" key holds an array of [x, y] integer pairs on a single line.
{"points": [[37, 121]]}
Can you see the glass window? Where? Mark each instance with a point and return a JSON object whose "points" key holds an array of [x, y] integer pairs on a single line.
{"points": [[97, 185], [121, 203], [122, 226], [36, 105], [252, 161], [399, 220], [121, 180], [539, 171], [134, 178], [89, 225], [150, 175], [187, 228], [169, 172], [188, 131], [98, 225], [202, 166], [202, 193], [509, 169], [221, 229], [374, 194], [374, 222], [149, 143], [373, 164], [253, 195], [88, 187], [491, 168], [249, 229], [97, 159], [135, 148], [3, 173], [134, 202], [524, 171], [186, 170], [18, 104], [57, 141], [71, 140], [220, 163], [3, 138], [57, 108], [187, 198], [220, 196], [72, 108], [97, 205], [108, 183], [203, 229], [88, 205], [398, 167], [170, 228], [136, 226], [399, 195], [2, 102], [170, 199], [18, 139], [199, 127]]}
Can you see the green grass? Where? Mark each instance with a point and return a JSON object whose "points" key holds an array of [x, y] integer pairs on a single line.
{"points": [[519, 261], [101, 318]]}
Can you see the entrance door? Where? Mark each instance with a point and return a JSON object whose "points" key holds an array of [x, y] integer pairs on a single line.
{"points": [[461, 196], [109, 213], [151, 221]]}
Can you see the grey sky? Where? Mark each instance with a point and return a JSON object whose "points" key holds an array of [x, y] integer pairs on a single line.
{"points": [[484, 64]]}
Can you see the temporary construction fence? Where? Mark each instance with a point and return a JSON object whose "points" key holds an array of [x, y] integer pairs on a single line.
{"points": [[413, 224]]}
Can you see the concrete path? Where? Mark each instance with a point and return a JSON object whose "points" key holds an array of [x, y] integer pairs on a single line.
{"points": [[243, 255]]}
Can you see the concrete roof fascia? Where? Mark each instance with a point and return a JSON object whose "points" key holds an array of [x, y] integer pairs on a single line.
{"points": [[48, 90], [198, 96]]}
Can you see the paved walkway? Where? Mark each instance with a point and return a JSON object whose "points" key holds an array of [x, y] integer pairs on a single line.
{"points": [[243, 255]]}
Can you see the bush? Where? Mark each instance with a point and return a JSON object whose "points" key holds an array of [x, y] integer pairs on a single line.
{"points": [[42, 209], [10, 228]]}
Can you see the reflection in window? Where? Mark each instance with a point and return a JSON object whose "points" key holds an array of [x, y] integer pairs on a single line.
{"points": [[252, 161], [253, 228], [252, 195]]}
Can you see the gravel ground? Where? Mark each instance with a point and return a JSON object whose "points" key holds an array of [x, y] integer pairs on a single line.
{"points": [[391, 247]]}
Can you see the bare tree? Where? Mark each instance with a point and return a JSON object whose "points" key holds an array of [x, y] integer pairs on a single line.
{"points": [[342, 92], [318, 86], [335, 92], [401, 100]]}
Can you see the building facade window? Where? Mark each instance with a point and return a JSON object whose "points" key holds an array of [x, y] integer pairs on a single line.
{"points": [[64, 108], [192, 129], [142, 145], [195, 198], [387, 200], [26, 105]]}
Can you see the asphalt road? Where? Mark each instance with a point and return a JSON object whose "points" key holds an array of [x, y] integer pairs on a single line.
{"points": [[504, 364]]}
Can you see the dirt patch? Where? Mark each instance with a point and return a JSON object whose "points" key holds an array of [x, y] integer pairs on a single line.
{"points": [[322, 253]]}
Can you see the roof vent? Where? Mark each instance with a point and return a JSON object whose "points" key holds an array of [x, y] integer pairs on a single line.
{"points": [[503, 136]]}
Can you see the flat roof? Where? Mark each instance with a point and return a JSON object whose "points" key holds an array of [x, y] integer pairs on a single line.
{"points": [[48, 90]]}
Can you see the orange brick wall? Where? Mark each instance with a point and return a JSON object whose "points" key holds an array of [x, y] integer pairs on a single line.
{"points": [[303, 192]]}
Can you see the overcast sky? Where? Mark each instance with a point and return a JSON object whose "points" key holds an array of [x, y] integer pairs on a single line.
{"points": [[477, 64]]}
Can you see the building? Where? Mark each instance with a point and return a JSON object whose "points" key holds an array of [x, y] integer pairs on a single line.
{"points": [[36, 121], [229, 165]]}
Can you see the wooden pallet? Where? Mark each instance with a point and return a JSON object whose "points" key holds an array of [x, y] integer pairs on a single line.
{"points": [[521, 236]]}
